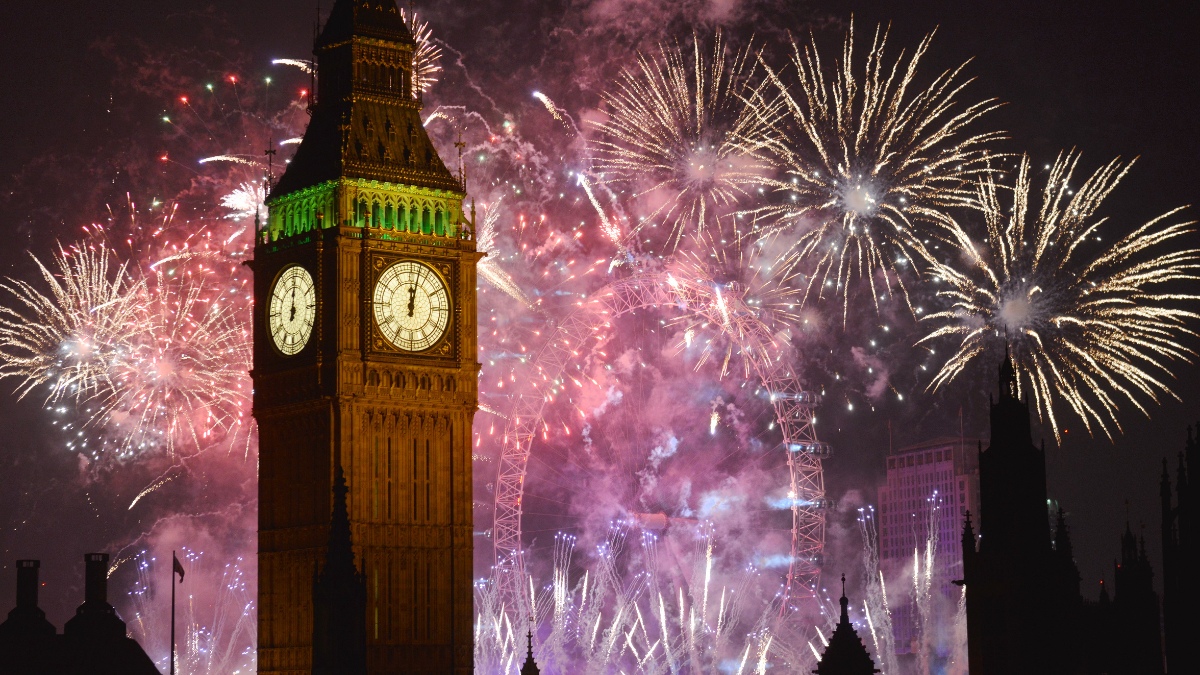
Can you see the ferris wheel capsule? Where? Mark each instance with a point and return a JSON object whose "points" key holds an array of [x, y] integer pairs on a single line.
{"points": [[816, 449]]}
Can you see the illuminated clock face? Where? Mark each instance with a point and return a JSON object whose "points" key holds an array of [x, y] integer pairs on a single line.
{"points": [[412, 306], [292, 310]]}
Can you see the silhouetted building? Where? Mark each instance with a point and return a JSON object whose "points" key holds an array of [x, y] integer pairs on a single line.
{"points": [[94, 641], [1011, 626], [1025, 613], [1181, 551], [846, 653], [1063, 593], [931, 483], [339, 598], [1138, 647]]}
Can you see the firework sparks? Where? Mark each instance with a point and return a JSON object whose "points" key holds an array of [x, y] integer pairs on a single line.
{"points": [[158, 362], [184, 379], [488, 267], [865, 165], [246, 201], [71, 336], [1088, 330], [427, 56], [733, 287], [678, 135]]}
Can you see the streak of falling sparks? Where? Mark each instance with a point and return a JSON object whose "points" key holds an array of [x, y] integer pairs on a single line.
{"points": [[611, 230]]}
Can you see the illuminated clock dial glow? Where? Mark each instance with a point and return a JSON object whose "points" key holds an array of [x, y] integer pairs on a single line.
{"points": [[412, 305], [292, 310]]}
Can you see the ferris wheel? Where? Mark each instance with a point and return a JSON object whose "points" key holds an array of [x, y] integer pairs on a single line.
{"points": [[794, 409]]}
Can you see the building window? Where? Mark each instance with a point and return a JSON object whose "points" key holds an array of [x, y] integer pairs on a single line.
{"points": [[388, 473], [892, 463], [375, 489]]}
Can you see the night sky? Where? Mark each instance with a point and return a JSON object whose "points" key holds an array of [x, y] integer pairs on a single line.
{"points": [[1115, 79]]}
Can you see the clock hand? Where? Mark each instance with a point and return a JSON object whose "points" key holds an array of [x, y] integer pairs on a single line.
{"points": [[412, 299], [293, 315]]}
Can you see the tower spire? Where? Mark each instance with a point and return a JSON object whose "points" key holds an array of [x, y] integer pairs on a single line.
{"points": [[530, 666]]}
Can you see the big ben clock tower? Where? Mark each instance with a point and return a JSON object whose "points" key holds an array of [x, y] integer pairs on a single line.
{"points": [[364, 361]]}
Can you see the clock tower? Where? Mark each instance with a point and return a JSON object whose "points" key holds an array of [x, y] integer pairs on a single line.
{"points": [[365, 360]]}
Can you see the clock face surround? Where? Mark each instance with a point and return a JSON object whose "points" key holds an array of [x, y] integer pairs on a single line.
{"points": [[412, 305], [292, 310]]}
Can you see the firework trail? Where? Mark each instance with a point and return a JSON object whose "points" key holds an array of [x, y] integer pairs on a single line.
{"points": [[308, 67], [611, 229], [875, 605], [553, 109], [489, 267], [680, 136], [1089, 324], [958, 632], [71, 336], [922, 589], [867, 166]]}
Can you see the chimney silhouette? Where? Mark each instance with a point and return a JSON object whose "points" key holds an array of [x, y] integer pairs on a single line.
{"points": [[27, 583], [96, 578], [26, 621], [95, 618]]}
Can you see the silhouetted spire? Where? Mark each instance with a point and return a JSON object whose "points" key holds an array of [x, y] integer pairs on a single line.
{"points": [[339, 597], [339, 557], [845, 603], [530, 667], [846, 654], [968, 534]]}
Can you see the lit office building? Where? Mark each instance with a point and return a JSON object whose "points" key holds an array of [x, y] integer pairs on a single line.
{"points": [[941, 474]]}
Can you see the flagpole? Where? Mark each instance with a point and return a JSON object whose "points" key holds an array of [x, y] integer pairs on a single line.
{"points": [[172, 612]]}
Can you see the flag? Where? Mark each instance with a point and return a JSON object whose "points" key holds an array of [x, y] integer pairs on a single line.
{"points": [[176, 568]]}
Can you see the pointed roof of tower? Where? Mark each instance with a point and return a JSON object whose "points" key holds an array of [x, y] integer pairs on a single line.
{"points": [[530, 667], [968, 533], [846, 653], [367, 18], [365, 123], [1008, 376]]}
